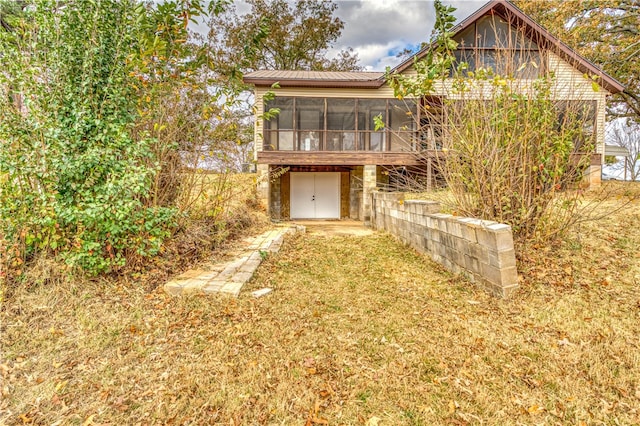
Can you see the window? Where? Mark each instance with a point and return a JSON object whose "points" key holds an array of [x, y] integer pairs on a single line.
{"points": [[402, 123], [493, 43], [278, 132], [580, 115], [335, 124], [341, 125], [310, 119], [368, 110]]}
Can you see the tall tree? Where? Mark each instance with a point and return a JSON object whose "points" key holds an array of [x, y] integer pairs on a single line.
{"points": [[277, 34], [607, 32]]}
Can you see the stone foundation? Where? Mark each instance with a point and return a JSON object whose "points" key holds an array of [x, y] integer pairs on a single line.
{"points": [[275, 198], [481, 250]]}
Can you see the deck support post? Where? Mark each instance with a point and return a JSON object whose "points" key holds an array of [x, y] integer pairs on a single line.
{"points": [[368, 186]]}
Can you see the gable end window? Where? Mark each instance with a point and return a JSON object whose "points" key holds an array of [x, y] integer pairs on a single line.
{"points": [[492, 43]]}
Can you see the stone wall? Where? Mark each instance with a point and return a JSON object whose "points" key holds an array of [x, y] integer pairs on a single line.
{"points": [[355, 192], [275, 202], [481, 250]]}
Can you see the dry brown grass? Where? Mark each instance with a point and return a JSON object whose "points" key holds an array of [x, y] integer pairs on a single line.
{"points": [[357, 329]]}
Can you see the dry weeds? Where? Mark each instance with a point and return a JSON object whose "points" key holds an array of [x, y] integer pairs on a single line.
{"points": [[359, 330]]}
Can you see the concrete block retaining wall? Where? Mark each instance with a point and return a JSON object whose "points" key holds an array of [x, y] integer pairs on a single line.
{"points": [[479, 249]]}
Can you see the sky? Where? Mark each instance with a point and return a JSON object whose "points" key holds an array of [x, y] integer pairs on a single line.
{"points": [[378, 29]]}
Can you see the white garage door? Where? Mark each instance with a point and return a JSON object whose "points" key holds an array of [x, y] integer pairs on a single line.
{"points": [[315, 195]]}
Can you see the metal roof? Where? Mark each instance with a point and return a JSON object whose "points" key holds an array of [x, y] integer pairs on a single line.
{"points": [[286, 78]]}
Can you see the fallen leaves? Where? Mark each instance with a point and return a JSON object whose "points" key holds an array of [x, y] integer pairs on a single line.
{"points": [[424, 345], [535, 409], [314, 418], [89, 420], [373, 421]]}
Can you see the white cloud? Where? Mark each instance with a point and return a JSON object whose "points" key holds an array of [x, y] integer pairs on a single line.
{"points": [[376, 30]]}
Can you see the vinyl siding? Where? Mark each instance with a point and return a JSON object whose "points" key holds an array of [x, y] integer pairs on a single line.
{"points": [[571, 84]]}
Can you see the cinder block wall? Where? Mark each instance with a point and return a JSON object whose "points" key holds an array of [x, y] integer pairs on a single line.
{"points": [[479, 249]]}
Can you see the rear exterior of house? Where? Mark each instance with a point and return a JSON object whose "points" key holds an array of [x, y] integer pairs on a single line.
{"points": [[321, 156]]}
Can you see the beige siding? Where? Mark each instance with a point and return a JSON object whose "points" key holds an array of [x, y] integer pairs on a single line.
{"points": [[259, 109], [411, 71], [571, 83]]}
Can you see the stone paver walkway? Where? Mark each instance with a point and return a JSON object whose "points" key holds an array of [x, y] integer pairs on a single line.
{"points": [[229, 277]]}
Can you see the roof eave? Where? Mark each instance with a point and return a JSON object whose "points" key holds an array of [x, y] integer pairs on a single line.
{"points": [[268, 82], [458, 28]]}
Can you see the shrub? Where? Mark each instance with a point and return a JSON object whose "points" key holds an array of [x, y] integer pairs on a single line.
{"points": [[75, 181]]}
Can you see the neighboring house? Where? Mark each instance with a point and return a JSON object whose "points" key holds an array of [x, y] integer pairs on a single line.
{"points": [[322, 153]]}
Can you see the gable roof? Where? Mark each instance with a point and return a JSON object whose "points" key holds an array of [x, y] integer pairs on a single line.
{"points": [[514, 15], [374, 80]]}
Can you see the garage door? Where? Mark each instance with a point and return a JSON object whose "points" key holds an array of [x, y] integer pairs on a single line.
{"points": [[315, 195]]}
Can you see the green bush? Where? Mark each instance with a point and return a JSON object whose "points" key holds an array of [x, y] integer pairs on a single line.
{"points": [[75, 182]]}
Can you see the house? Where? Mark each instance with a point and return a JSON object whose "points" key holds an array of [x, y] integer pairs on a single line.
{"points": [[323, 154]]}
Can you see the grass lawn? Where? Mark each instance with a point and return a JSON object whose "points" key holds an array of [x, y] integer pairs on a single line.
{"points": [[358, 330]]}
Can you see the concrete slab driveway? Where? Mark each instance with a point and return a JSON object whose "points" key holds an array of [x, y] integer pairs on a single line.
{"points": [[335, 227]]}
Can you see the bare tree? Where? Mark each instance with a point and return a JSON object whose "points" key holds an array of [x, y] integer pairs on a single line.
{"points": [[627, 136]]}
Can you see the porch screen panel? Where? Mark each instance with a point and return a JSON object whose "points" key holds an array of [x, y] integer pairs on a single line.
{"points": [[279, 130], [402, 124], [368, 109], [341, 125], [310, 123]]}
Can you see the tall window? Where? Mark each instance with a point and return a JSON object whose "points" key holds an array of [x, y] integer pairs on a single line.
{"points": [[310, 123], [279, 131], [491, 42], [341, 125], [368, 110], [402, 123], [580, 115]]}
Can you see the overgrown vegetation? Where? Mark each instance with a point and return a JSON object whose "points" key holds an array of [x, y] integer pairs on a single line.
{"points": [[106, 114], [518, 156], [357, 329], [75, 181], [512, 148]]}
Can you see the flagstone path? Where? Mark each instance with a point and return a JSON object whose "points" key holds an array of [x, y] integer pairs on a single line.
{"points": [[229, 277]]}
